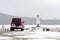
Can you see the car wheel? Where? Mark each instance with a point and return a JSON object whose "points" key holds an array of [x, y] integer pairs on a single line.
{"points": [[11, 29]]}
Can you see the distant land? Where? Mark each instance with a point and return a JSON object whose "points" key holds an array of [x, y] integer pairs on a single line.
{"points": [[6, 19]]}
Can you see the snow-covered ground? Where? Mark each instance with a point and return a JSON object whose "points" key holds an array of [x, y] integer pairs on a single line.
{"points": [[30, 34], [51, 27]]}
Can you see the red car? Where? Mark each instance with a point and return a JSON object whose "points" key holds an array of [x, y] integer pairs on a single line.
{"points": [[17, 23]]}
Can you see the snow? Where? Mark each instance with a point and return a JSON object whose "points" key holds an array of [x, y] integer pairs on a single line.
{"points": [[5, 38], [42, 39], [38, 34], [35, 34], [32, 35], [29, 26]]}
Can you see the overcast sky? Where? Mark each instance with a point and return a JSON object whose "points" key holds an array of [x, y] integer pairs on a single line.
{"points": [[47, 9]]}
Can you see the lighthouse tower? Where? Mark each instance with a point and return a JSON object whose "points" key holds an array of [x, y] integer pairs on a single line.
{"points": [[38, 21]]}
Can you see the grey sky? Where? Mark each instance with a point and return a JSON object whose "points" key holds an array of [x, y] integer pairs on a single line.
{"points": [[47, 9]]}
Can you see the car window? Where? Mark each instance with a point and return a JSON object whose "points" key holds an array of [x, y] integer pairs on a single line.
{"points": [[16, 20]]}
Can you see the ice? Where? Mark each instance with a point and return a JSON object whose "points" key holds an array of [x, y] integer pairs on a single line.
{"points": [[5, 38], [41, 39], [36, 34]]}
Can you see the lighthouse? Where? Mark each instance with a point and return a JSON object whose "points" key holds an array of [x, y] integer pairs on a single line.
{"points": [[38, 21]]}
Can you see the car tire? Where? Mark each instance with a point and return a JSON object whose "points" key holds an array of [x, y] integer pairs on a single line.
{"points": [[11, 29], [22, 29]]}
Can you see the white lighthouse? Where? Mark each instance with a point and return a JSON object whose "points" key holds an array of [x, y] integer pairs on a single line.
{"points": [[38, 21]]}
